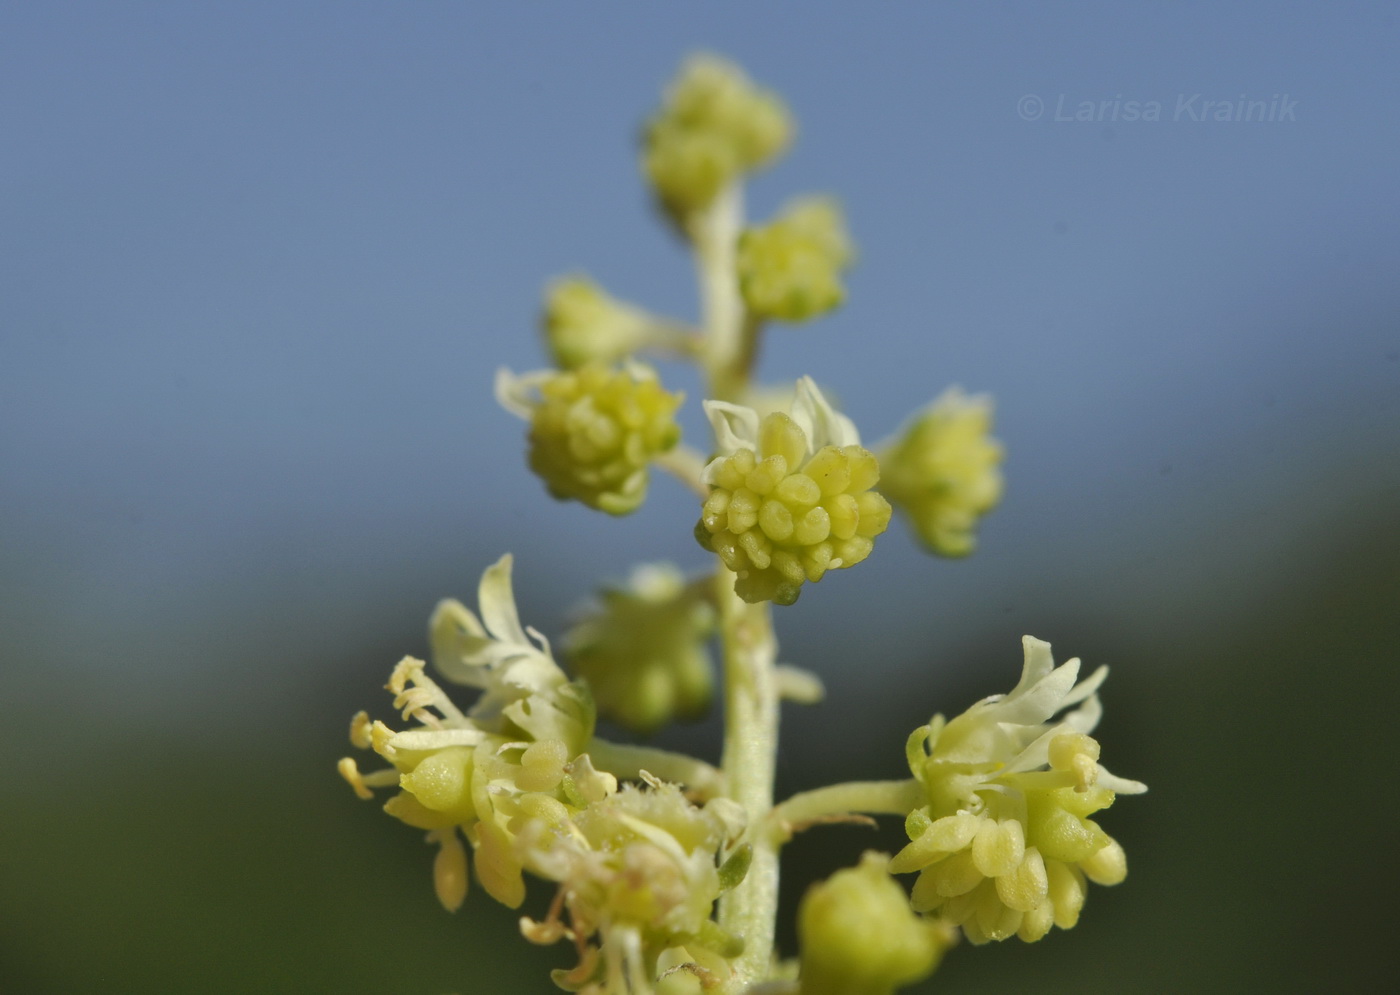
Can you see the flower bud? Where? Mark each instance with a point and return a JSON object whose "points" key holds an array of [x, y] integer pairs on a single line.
{"points": [[642, 649], [790, 269], [859, 936], [594, 430], [582, 323], [943, 471], [792, 500], [714, 125]]}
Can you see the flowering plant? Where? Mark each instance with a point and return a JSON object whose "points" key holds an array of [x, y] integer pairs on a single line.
{"points": [[664, 867]]}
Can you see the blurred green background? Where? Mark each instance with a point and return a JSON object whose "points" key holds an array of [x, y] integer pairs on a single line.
{"points": [[261, 261]]}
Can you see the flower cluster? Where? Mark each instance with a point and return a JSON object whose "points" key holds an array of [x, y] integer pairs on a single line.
{"points": [[594, 430], [715, 125], [642, 649], [1004, 845], [640, 870], [790, 269], [943, 471], [665, 869], [790, 496]]}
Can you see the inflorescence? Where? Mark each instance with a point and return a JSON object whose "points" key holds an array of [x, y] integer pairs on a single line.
{"points": [[663, 867]]}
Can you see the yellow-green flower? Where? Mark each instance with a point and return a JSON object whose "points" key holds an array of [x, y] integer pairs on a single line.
{"points": [[859, 936], [790, 269], [790, 496], [714, 125], [594, 430], [639, 873], [1005, 844], [642, 649], [476, 774], [943, 471]]}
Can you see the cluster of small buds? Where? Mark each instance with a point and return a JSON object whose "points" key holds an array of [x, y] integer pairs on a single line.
{"points": [[595, 430], [943, 471], [790, 269], [583, 324], [859, 937], [714, 126], [790, 496], [642, 649], [1005, 845]]}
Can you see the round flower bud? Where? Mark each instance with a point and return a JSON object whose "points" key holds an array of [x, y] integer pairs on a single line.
{"points": [[790, 269], [943, 472], [780, 514], [714, 125], [642, 649], [859, 936], [594, 430]]}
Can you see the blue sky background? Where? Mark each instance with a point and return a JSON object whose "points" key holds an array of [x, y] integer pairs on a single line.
{"points": [[259, 262]]}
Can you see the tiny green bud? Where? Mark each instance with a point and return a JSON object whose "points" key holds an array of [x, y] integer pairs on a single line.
{"points": [[790, 269], [942, 471], [734, 869], [594, 430], [860, 937]]}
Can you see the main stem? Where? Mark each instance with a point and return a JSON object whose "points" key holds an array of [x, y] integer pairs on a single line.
{"points": [[750, 909]]}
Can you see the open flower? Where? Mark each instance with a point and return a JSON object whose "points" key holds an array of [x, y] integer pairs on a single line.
{"points": [[638, 873], [790, 496], [1005, 844], [479, 773]]}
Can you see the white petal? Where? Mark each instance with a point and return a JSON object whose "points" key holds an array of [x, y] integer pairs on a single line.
{"points": [[1122, 785], [497, 603], [736, 427], [1033, 705], [516, 393], [1085, 687], [1038, 662], [1086, 717], [822, 423]]}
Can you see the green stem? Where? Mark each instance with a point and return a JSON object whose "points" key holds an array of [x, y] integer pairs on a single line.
{"points": [[685, 464], [728, 353], [750, 758], [866, 797], [749, 910]]}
